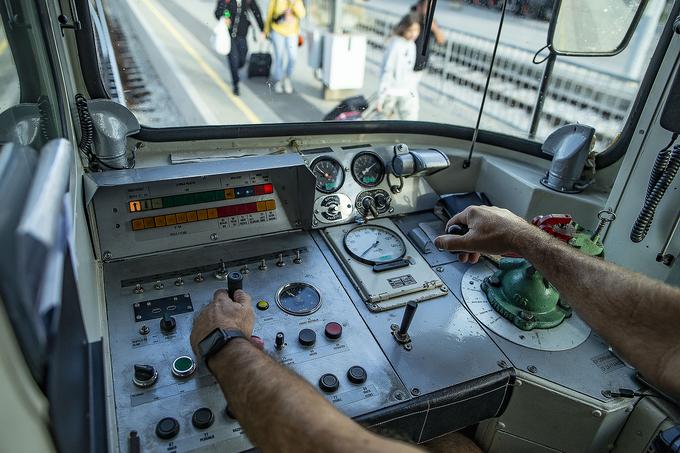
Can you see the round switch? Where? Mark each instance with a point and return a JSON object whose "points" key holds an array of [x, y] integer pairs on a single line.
{"points": [[203, 418], [356, 375], [307, 337], [167, 428], [262, 305], [229, 413], [329, 383], [144, 375], [333, 330], [183, 366]]}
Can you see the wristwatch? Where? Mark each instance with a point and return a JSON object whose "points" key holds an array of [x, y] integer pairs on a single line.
{"points": [[215, 341]]}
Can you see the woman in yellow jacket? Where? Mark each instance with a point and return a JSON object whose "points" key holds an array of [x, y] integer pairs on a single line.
{"points": [[283, 28]]}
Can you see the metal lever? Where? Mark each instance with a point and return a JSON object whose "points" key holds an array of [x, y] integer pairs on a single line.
{"points": [[234, 282], [457, 229], [369, 206], [400, 333]]}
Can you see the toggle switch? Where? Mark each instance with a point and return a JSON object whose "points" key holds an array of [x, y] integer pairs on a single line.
{"points": [[400, 333], [279, 341], [234, 282], [168, 323]]}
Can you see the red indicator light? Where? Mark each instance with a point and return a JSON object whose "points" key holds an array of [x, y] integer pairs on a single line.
{"points": [[268, 188]]}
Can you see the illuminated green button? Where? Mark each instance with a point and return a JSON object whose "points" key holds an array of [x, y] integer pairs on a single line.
{"points": [[183, 366], [262, 305]]}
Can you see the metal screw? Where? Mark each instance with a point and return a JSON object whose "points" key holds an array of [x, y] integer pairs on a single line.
{"points": [[596, 413], [444, 289], [563, 304], [298, 258], [179, 281], [138, 289], [144, 330], [502, 364], [263, 265], [199, 278], [107, 256], [399, 395], [525, 315], [439, 269], [415, 391], [159, 285], [213, 237], [408, 346], [606, 393], [532, 369]]}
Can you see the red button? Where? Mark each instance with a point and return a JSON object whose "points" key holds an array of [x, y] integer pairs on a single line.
{"points": [[333, 330], [257, 341]]}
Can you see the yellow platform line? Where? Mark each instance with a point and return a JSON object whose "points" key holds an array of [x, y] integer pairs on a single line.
{"points": [[3, 46], [210, 72]]}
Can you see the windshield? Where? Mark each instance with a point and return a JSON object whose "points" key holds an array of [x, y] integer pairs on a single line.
{"points": [[198, 62]]}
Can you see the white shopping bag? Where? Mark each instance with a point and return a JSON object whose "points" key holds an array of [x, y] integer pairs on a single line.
{"points": [[220, 39]]}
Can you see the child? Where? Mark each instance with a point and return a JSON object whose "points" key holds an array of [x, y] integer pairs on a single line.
{"points": [[398, 90]]}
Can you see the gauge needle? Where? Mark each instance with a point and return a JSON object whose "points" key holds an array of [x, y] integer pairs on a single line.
{"points": [[369, 249], [325, 175], [363, 173]]}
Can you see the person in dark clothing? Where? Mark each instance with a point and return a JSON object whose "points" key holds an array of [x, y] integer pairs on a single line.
{"points": [[236, 12], [421, 9]]}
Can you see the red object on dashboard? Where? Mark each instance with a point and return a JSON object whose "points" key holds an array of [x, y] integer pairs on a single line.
{"points": [[555, 225]]}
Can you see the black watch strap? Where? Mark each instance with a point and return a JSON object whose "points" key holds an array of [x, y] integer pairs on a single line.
{"points": [[216, 340]]}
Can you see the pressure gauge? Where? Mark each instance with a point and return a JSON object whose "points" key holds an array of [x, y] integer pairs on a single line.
{"points": [[373, 244], [298, 299], [329, 174], [368, 169]]}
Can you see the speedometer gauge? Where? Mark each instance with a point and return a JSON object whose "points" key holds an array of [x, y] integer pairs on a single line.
{"points": [[368, 169], [373, 244], [329, 174]]}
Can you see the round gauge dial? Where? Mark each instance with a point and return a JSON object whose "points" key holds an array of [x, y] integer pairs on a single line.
{"points": [[373, 244], [329, 174], [299, 299], [368, 169]]}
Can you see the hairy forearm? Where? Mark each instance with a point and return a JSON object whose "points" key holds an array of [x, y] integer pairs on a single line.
{"points": [[281, 412], [638, 316]]}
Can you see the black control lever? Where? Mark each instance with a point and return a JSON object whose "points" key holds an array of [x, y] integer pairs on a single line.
{"points": [[457, 229], [234, 282], [400, 332]]}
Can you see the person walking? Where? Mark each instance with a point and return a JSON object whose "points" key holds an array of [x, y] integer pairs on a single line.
{"points": [[236, 13], [397, 91], [283, 28]]}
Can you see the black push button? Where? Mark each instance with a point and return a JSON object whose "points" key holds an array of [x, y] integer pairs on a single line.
{"points": [[167, 428], [203, 418], [356, 375], [329, 383], [229, 413], [307, 337]]}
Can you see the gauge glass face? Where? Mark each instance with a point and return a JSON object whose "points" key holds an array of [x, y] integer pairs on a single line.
{"points": [[298, 299], [329, 174], [368, 169], [372, 244]]}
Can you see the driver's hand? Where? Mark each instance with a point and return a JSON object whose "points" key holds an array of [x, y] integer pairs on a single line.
{"points": [[492, 231], [224, 313]]}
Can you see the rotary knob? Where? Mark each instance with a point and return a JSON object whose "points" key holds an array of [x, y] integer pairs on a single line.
{"points": [[144, 375], [329, 383], [168, 323], [381, 200]]}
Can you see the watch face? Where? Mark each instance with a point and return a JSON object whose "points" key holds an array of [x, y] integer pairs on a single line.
{"points": [[211, 343]]}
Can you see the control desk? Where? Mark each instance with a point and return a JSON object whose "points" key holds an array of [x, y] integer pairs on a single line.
{"points": [[347, 289]]}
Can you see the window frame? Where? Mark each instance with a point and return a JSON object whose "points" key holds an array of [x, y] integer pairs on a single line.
{"points": [[87, 54]]}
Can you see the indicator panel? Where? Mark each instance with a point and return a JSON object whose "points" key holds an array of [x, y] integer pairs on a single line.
{"points": [[209, 196]]}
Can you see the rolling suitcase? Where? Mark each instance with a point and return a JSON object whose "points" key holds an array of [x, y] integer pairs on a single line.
{"points": [[260, 62]]}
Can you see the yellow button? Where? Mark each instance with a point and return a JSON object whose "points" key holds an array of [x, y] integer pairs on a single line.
{"points": [[160, 220], [229, 194], [261, 206], [271, 205], [181, 217], [212, 213], [149, 223], [202, 214], [138, 224], [191, 216], [170, 219], [262, 305]]}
